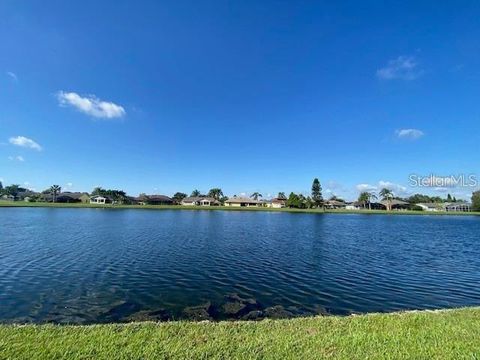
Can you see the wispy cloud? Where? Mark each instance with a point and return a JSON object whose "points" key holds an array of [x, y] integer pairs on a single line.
{"points": [[12, 76], [16, 158], [409, 134], [365, 187], [403, 68], [25, 142], [398, 189], [91, 105]]}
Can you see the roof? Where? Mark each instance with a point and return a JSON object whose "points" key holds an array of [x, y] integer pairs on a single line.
{"points": [[99, 196], [154, 198], [354, 203], [431, 205], [278, 201], [239, 200], [198, 198], [72, 195], [394, 202], [335, 203], [458, 204]]}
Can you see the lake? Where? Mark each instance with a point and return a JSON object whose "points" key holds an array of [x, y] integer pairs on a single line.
{"points": [[100, 265]]}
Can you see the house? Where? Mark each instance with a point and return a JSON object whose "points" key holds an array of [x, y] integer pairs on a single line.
{"points": [[277, 203], [72, 197], [101, 200], [355, 205], [242, 202], [394, 204], [154, 200], [200, 201], [431, 206], [458, 206], [335, 204], [7, 198]]}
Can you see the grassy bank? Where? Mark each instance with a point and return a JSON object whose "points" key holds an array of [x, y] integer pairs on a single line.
{"points": [[451, 334], [213, 208]]}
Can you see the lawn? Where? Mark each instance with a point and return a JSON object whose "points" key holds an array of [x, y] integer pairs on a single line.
{"points": [[207, 208], [450, 334]]}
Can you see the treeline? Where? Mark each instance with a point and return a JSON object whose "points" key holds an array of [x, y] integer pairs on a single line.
{"points": [[300, 201]]}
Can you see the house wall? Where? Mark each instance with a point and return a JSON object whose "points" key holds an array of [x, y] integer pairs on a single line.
{"points": [[233, 204], [188, 203]]}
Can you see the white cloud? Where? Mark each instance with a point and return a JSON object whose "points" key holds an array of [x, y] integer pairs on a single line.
{"points": [[403, 68], [25, 142], [410, 134], [397, 189], [12, 76], [91, 105], [69, 184], [366, 187], [26, 183], [16, 158]]}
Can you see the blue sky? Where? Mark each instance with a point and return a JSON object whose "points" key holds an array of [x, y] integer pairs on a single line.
{"points": [[166, 96]]}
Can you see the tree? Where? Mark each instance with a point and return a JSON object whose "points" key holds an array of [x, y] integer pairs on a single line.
{"points": [[317, 193], [195, 193], [387, 195], [1, 187], [476, 201], [308, 202], [178, 197], [256, 195], [98, 191], [216, 193], [363, 198], [55, 190], [282, 196], [371, 196], [12, 190], [293, 200], [449, 198]]}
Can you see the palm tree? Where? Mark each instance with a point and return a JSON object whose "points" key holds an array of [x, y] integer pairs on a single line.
{"points": [[363, 198], [215, 193], [387, 195], [281, 195], [256, 195], [195, 193], [55, 190], [371, 196]]}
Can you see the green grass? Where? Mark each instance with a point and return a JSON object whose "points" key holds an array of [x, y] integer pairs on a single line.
{"points": [[451, 334], [213, 208]]}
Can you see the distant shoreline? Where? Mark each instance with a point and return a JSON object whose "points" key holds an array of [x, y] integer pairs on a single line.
{"points": [[7, 204]]}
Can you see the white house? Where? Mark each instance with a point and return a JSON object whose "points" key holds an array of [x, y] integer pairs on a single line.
{"points": [[431, 206], [200, 201], [353, 206], [242, 202], [98, 200], [277, 203]]}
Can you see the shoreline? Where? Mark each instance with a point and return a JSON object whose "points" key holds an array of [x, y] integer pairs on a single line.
{"points": [[446, 334], [8, 204]]}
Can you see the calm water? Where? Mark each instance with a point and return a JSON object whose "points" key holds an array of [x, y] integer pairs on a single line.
{"points": [[95, 265]]}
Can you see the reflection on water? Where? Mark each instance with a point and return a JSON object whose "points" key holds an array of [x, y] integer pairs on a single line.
{"points": [[99, 265]]}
